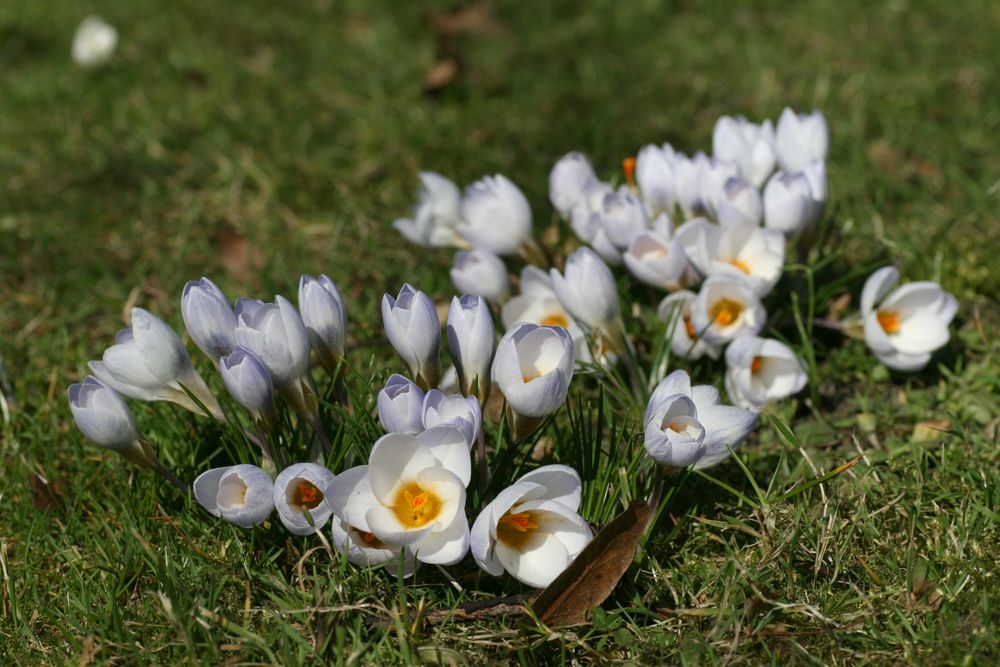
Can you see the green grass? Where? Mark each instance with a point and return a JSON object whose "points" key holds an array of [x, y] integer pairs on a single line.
{"points": [[256, 141]]}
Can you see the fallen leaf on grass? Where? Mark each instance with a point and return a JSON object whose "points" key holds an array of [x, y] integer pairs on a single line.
{"points": [[475, 19], [44, 495], [238, 258], [442, 73]]}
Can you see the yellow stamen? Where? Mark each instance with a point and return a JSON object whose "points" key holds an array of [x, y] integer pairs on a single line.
{"points": [[555, 320], [888, 320], [725, 311], [628, 166], [306, 496], [742, 266], [415, 507], [675, 427], [514, 530], [756, 364]]}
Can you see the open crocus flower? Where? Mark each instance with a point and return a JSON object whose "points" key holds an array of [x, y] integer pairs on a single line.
{"points": [[747, 145], [567, 180], [586, 289], [903, 326], [688, 426], [727, 307], [496, 217], [94, 42], [364, 549], [585, 219], [411, 494], [241, 494], [684, 339], [208, 317], [481, 273], [436, 216], [148, 362], [301, 487], [325, 318], [104, 418], [654, 173], [759, 370], [401, 406], [537, 303], [788, 203], [470, 340], [657, 260], [532, 529], [700, 239], [757, 253], [414, 330], [800, 139], [456, 410], [740, 203]]}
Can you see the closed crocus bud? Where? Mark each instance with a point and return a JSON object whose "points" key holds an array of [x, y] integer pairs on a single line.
{"points": [[533, 367], [800, 139], [688, 426], [104, 418], [481, 273], [567, 180], [208, 318], [685, 342], [148, 362], [301, 487], [94, 42], [414, 330], [759, 370], [325, 318], [788, 203], [532, 529], [470, 341], [713, 176], [587, 290], [456, 410], [436, 216], [815, 173], [654, 173], [241, 494], [656, 260], [687, 182], [747, 145], [726, 308], [249, 383], [623, 216], [740, 203], [497, 216], [904, 326], [758, 254], [401, 406]]}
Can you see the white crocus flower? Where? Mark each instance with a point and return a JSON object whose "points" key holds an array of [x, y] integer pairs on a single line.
{"points": [[759, 370], [482, 273], [714, 174], [586, 289], [470, 340], [567, 180], [148, 362], [496, 217], [365, 550], [740, 203], [684, 339], [688, 426], [747, 145], [301, 487], [903, 326], [654, 173], [815, 173], [757, 253], [788, 203], [241, 494], [414, 330], [325, 318], [436, 216], [585, 219], [411, 494], [801, 139], [622, 216], [208, 318], [456, 410], [104, 418], [727, 307], [700, 239], [537, 303], [249, 383], [532, 529], [94, 42], [657, 260], [401, 406]]}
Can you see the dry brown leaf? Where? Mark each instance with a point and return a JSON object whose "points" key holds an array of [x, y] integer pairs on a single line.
{"points": [[475, 19], [595, 573], [442, 73], [238, 258], [44, 495]]}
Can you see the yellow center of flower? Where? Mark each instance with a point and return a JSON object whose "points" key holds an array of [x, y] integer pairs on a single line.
{"points": [[514, 530], [414, 506], [756, 364], [555, 320], [742, 266], [689, 327], [889, 320], [725, 311], [305, 495], [675, 427], [628, 166]]}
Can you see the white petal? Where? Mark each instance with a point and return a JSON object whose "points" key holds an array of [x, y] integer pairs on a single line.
{"points": [[444, 547], [543, 558], [350, 496], [876, 287], [396, 458], [449, 447], [561, 483]]}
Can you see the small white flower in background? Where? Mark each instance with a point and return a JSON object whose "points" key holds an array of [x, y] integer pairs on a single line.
{"points": [[700, 239], [104, 418], [401, 406], [365, 550], [567, 180], [688, 425], [747, 145], [532, 529], [712, 179], [325, 318], [623, 216], [208, 318], [414, 330], [241, 494], [656, 259], [585, 219], [94, 42], [684, 339], [904, 326], [727, 307], [496, 216], [788, 203], [537, 303], [759, 370], [586, 289], [301, 487], [456, 410], [800, 139], [148, 362], [654, 173], [740, 203], [436, 216], [759, 254], [249, 383], [470, 340], [411, 494], [481, 273]]}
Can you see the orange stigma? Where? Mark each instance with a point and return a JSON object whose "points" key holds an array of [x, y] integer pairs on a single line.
{"points": [[555, 320], [628, 166], [415, 507], [741, 266], [756, 364], [725, 311], [888, 320], [515, 529], [306, 495], [692, 334]]}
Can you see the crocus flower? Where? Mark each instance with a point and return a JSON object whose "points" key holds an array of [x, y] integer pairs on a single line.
{"points": [[623, 216], [436, 216], [903, 326], [585, 219], [700, 239], [532, 529], [104, 418], [249, 383], [815, 173], [401, 406], [537, 303], [654, 173], [747, 145], [586, 289], [788, 203], [411, 494], [301, 487], [759, 370], [94, 42], [414, 330], [497, 216], [688, 426], [740, 203], [657, 260], [759, 254], [713, 175], [364, 549], [208, 318], [241, 494], [684, 339], [687, 182], [456, 410], [325, 318], [800, 139], [470, 341], [148, 362], [727, 307], [481, 273], [567, 180]]}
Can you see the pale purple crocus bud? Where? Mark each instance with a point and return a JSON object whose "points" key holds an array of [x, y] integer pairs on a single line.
{"points": [[104, 418], [801, 139], [482, 273], [249, 382], [740, 203], [325, 318], [788, 203], [414, 330], [567, 180], [654, 173], [456, 410], [586, 289], [401, 406], [496, 216], [748, 145], [470, 341], [208, 317], [242, 494], [623, 216]]}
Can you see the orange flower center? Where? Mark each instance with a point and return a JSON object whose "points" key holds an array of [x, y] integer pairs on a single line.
{"points": [[371, 541], [628, 166], [675, 427], [415, 507], [725, 311], [555, 320], [692, 334], [888, 320], [306, 496], [514, 530], [756, 364], [742, 266]]}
